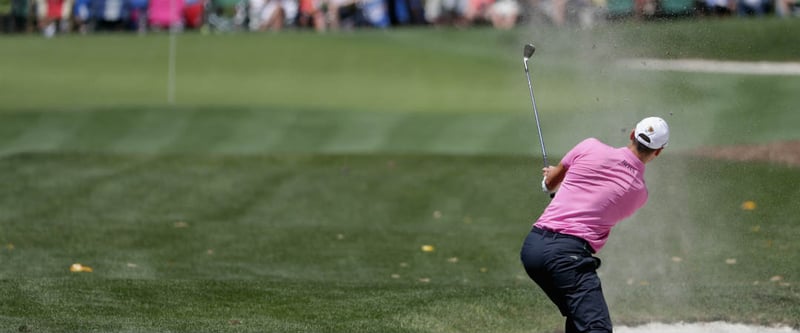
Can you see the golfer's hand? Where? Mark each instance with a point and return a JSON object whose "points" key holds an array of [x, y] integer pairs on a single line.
{"points": [[546, 176], [547, 170], [552, 177]]}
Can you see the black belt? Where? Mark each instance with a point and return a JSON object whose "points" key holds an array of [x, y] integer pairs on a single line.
{"points": [[548, 233]]}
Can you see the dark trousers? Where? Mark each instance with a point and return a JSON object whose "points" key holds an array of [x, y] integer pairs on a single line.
{"points": [[563, 266]]}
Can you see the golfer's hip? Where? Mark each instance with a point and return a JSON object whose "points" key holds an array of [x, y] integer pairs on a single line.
{"points": [[545, 234]]}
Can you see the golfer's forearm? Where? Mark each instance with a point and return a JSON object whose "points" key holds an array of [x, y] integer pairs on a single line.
{"points": [[552, 186]]}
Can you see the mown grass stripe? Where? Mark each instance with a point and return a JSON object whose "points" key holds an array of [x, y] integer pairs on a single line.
{"points": [[47, 133], [517, 134], [13, 127], [469, 133], [204, 129], [362, 132], [255, 130], [305, 133], [151, 130], [415, 131], [99, 130]]}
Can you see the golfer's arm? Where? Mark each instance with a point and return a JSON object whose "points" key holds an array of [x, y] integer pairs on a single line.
{"points": [[554, 176]]}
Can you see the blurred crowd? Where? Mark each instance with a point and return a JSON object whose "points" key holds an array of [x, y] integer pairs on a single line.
{"points": [[51, 17]]}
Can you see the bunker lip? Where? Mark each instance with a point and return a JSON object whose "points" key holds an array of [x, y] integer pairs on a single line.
{"points": [[711, 327], [780, 152], [713, 66]]}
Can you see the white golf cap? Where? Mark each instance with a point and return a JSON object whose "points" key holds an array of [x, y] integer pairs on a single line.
{"points": [[653, 132]]}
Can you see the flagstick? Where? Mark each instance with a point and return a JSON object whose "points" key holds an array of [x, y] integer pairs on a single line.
{"points": [[171, 65]]}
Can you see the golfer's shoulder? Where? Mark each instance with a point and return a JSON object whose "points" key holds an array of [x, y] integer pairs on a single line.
{"points": [[592, 143], [587, 147]]}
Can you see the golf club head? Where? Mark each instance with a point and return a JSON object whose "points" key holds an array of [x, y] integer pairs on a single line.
{"points": [[528, 51]]}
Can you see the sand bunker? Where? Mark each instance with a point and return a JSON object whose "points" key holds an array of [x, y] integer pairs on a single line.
{"points": [[714, 66], [784, 152], [714, 327]]}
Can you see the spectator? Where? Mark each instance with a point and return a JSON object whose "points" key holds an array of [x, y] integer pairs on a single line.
{"points": [[786, 8], [193, 13], [719, 7], [165, 14], [81, 15], [643, 8], [137, 14], [444, 12], [108, 14], [477, 11], [403, 12], [559, 12], [270, 14], [20, 14], [311, 15], [562, 12], [375, 13], [751, 7], [53, 16], [342, 13], [504, 14], [226, 15]]}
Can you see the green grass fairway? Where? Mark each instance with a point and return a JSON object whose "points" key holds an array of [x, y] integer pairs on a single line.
{"points": [[300, 243], [292, 185]]}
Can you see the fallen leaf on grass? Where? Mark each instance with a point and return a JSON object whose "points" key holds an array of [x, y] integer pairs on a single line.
{"points": [[730, 261], [395, 276], [452, 260], [677, 259], [428, 248], [78, 268], [748, 205], [424, 280], [776, 278]]}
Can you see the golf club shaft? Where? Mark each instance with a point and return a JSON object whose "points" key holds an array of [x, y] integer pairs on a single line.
{"points": [[535, 113]]}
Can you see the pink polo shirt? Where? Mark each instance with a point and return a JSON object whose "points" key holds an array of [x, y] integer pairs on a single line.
{"points": [[603, 185]]}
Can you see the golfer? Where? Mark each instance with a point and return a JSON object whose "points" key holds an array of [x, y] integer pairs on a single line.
{"points": [[597, 186]]}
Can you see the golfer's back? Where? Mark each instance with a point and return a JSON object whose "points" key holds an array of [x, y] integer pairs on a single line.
{"points": [[602, 186]]}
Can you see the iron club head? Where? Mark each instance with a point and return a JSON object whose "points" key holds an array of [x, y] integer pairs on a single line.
{"points": [[528, 51]]}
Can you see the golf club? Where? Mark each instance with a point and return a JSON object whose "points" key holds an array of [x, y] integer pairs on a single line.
{"points": [[527, 53]]}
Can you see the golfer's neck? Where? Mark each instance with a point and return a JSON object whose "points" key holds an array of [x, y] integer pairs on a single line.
{"points": [[644, 157]]}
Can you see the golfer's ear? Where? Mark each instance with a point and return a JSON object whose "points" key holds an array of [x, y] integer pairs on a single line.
{"points": [[631, 135], [658, 151]]}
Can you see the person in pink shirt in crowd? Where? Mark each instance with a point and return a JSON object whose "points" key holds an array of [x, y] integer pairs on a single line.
{"points": [[166, 14], [597, 186], [53, 16]]}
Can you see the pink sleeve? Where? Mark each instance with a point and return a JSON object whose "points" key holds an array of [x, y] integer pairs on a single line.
{"points": [[576, 151]]}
